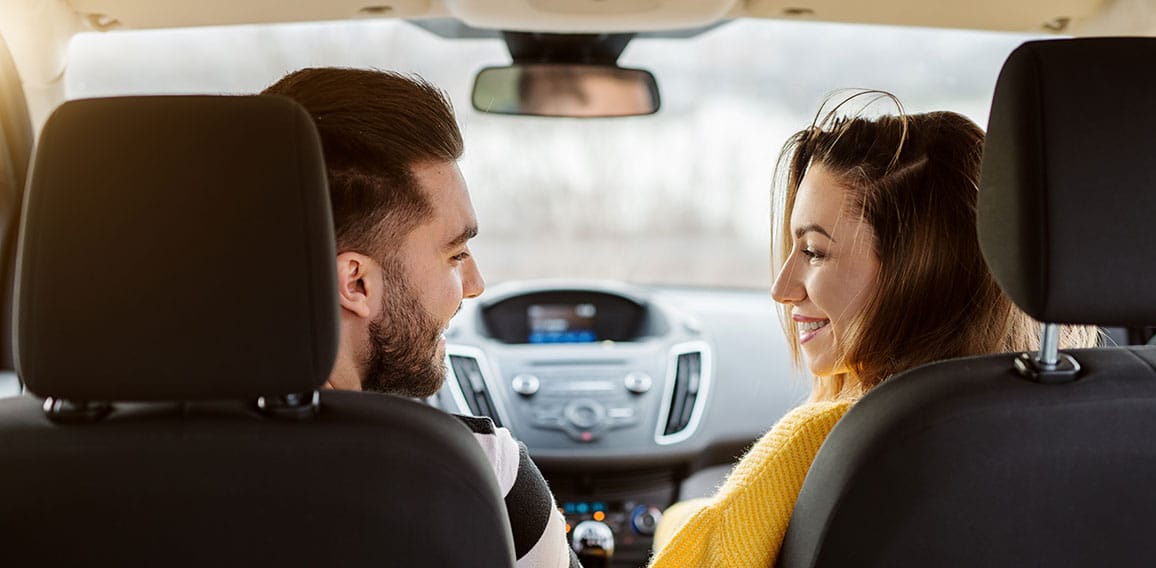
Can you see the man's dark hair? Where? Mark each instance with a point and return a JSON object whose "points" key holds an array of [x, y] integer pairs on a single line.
{"points": [[374, 126]]}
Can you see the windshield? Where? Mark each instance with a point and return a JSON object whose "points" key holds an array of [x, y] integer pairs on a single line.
{"points": [[681, 197]]}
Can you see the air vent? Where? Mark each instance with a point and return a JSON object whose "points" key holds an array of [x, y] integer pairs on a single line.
{"points": [[687, 379], [468, 375], [686, 386]]}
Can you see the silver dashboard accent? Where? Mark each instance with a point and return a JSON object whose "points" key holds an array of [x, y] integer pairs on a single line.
{"points": [[488, 374], [638, 382], [526, 384], [620, 412], [704, 351], [582, 387], [584, 413]]}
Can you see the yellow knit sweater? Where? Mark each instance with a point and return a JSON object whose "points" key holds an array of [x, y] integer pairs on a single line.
{"points": [[744, 523]]}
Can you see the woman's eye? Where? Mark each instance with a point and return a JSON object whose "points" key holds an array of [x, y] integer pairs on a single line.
{"points": [[813, 254]]}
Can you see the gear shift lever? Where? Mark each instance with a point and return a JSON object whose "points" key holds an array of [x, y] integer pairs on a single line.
{"points": [[594, 543]]}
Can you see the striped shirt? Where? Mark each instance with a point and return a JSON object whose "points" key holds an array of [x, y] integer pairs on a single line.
{"points": [[538, 527]]}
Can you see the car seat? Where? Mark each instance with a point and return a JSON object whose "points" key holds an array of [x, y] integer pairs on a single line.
{"points": [[176, 316]]}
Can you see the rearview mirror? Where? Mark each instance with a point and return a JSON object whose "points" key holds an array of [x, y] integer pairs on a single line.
{"points": [[566, 90]]}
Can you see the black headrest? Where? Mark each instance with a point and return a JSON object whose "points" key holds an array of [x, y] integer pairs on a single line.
{"points": [[1067, 200], [176, 248]]}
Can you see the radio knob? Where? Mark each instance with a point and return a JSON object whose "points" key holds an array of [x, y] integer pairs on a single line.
{"points": [[645, 519], [638, 382], [585, 414], [526, 384]]}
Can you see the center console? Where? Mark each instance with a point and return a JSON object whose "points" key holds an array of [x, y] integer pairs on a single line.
{"points": [[593, 374]]}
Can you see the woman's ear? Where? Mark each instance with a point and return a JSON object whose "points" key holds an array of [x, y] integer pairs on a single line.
{"points": [[356, 283]]}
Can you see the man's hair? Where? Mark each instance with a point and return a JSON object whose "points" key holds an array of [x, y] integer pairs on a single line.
{"points": [[913, 179], [374, 127]]}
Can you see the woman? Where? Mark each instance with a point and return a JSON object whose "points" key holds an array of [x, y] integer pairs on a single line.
{"points": [[879, 271]]}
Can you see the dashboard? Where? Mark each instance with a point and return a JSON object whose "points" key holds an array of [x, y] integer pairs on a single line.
{"points": [[628, 398]]}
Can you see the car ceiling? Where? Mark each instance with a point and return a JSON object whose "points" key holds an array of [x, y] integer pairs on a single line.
{"points": [[596, 15], [38, 31]]}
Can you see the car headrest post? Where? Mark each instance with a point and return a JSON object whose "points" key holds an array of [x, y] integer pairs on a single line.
{"points": [[303, 406], [1049, 354], [63, 411], [1048, 365]]}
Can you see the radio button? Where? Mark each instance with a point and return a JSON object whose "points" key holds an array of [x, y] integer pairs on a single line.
{"points": [[550, 422], [638, 382], [585, 413], [548, 416], [526, 384], [621, 416]]}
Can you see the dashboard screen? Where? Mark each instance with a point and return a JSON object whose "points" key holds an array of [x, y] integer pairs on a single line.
{"points": [[564, 317], [561, 323]]}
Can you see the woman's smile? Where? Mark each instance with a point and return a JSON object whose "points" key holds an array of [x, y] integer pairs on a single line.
{"points": [[809, 327]]}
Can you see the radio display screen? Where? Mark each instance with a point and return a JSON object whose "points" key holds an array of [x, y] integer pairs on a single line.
{"points": [[561, 323], [572, 317]]}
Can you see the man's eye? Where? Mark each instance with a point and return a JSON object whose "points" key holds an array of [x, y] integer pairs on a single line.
{"points": [[461, 256]]}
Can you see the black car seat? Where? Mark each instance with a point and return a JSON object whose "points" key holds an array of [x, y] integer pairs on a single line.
{"points": [[1043, 459], [176, 315]]}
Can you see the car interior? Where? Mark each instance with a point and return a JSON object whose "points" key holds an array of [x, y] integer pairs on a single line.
{"points": [[620, 156]]}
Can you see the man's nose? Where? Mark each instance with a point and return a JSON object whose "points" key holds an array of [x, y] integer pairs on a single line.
{"points": [[472, 282]]}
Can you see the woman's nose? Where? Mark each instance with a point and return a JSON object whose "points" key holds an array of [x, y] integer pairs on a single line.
{"points": [[788, 288]]}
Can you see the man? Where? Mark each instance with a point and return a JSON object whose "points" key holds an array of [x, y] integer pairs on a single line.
{"points": [[403, 221]]}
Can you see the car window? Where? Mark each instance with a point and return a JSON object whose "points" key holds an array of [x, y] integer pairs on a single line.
{"points": [[680, 197]]}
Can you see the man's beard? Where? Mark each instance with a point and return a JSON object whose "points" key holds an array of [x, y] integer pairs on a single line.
{"points": [[403, 356]]}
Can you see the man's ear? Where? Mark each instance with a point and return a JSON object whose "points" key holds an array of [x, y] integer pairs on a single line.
{"points": [[357, 283]]}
